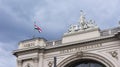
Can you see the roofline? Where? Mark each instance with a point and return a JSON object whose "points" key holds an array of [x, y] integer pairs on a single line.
{"points": [[66, 44]]}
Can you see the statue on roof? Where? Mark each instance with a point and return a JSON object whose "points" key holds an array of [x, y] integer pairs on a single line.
{"points": [[82, 21], [83, 24], [73, 28]]}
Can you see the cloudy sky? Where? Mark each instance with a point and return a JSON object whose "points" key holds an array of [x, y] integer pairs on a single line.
{"points": [[53, 16]]}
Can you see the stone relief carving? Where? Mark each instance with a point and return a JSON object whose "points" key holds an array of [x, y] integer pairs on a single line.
{"points": [[50, 63], [114, 54], [79, 54]]}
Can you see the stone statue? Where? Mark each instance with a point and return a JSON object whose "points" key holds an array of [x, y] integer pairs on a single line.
{"points": [[83, 24], [91, 24], [73, 28], [50, 64]]}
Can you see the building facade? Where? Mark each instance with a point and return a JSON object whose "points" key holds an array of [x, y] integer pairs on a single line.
{"points": [[83, 45]]}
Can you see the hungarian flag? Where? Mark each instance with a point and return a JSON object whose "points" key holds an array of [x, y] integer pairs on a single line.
{"points": [[37, 28]]}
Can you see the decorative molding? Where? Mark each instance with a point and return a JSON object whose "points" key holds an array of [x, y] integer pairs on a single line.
{"points": [[35, 60], [50, 63], [91, 56], [28, 51], [79, 54], [114, 54], [77, 49]]}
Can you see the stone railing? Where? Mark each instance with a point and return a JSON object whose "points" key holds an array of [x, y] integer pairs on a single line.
{"points": [[53, 43], [110, 31]]}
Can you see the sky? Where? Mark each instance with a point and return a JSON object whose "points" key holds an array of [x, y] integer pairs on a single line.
{"points": [[53, 16]]}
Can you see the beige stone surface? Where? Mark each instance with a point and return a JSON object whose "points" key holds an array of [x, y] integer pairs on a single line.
{"points": [[80, 35]]}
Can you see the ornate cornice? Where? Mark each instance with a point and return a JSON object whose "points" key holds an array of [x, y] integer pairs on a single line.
{"points": [[84, 41], [28, 51], [43, 49]]}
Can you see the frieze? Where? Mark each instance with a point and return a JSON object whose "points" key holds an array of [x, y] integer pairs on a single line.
{"points": [[29, 45], [80, 48]]}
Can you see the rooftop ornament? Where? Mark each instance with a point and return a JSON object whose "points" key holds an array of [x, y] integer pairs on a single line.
{"points": [[83, 24]]}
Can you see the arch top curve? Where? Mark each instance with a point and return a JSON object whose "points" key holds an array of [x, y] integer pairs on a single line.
{"points": [[85, 56]]}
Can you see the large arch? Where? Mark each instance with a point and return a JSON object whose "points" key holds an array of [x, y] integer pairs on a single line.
{"points": [[85, 63], [84, 56]]}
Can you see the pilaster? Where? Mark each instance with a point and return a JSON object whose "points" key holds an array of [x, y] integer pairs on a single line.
{"points": [[36, 62], [41, 60], [19, 63]]}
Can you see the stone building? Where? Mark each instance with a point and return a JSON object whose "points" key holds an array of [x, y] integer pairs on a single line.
{"points": [[83, 45]]}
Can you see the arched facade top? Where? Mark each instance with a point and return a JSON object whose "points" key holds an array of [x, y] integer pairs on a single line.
{"points": [[82, 56]]}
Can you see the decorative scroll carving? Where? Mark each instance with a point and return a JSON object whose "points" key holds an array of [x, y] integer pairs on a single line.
{"points": [[50, 64], [114, 54], [79, 54]]}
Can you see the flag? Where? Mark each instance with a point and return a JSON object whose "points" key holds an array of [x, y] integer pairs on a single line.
{"points": [[37, 28]]}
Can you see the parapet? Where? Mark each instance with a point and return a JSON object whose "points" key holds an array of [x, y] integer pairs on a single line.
{"points": [[41, 42], [81, 35]]}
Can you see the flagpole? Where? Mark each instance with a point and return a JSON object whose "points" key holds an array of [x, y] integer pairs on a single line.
{"points": [[34, 29], [55, 62]]}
